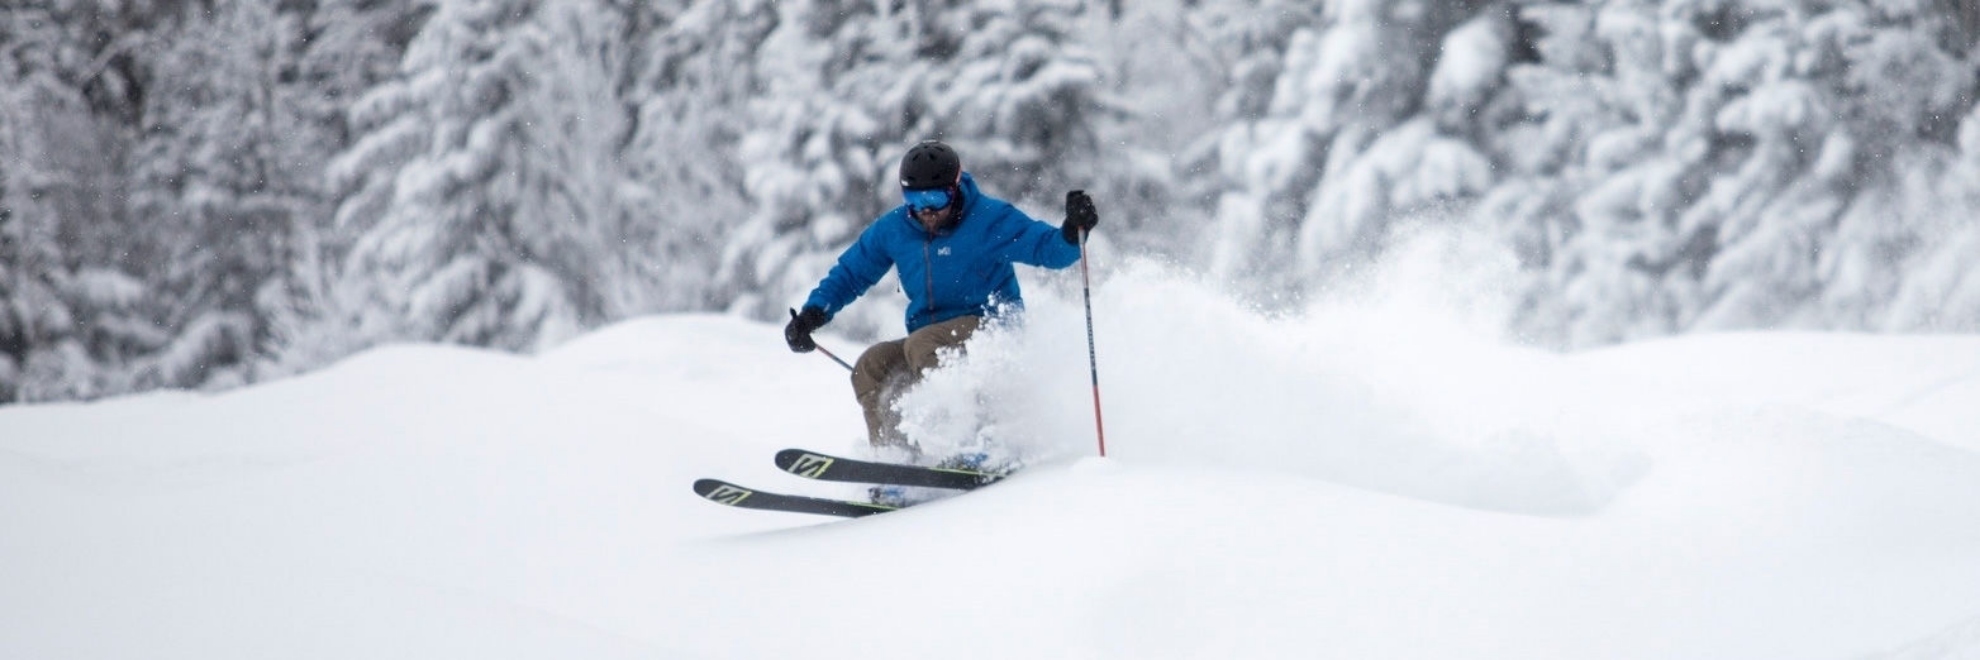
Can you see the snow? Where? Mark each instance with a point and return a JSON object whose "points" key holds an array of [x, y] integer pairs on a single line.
{"points": [[1363, 479], [1471, 64]]}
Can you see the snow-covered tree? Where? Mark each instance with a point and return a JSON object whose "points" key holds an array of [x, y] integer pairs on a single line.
{"points": [[1730, 165], [225, 180], [485, 182], [1590, 194], [189, 190], [72, 81], [1656, 167], [1021, 90], [1941, 285], [1334, 157], [838, 86], [691, 77], [344, 48], [1250, 39], [35, 323], [1162, 72]]}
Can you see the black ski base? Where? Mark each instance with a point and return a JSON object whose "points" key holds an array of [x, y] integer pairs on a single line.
{"points": [[825, 467], [728, 494]]}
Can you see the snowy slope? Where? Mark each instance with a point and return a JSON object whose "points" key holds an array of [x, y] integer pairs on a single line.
{"points": [[1353, 483]]}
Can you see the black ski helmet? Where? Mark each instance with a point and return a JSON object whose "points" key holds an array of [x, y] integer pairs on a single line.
{"points": [[930, 164]]}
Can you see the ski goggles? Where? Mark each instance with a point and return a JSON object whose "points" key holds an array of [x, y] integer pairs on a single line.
{"points": [[928, 199]]}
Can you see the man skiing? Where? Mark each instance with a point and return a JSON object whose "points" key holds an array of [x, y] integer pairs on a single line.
{"points": [[953, 246]]}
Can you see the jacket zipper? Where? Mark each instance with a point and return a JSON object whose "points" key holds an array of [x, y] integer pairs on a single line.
{"points": [[928, 270]]}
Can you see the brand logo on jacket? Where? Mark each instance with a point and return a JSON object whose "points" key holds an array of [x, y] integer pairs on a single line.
{"points": [[942, 252]]}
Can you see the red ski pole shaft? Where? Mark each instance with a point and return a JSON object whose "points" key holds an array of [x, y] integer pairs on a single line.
{"points": [[835, 358], [1092, 356]]}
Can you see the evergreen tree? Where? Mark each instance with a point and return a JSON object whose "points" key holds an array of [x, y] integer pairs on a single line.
{"points": [[35, 323], [1941, 285], [345, 48], [1751, 169], [1591, 195], [691, 77], [508, 172], [1703, 165], [1021, 90], [224, 183], [74, 82], [485, 181], [839, 85], [1829, 104], [1154, 132], [1379, 79], [1316, 181], [1899, 82], [1254, 152]]}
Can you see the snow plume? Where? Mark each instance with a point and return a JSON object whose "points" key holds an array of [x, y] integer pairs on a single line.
{"points": [[1397, 385]]}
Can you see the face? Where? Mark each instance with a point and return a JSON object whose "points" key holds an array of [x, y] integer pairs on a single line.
{"points": [[935, 220], [922, 204]]}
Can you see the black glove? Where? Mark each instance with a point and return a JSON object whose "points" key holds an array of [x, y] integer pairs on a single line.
{"points": [[1080, 216], [798, 332]]}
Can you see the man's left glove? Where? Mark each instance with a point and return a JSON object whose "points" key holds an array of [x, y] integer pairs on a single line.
{"points": [[798, 332], [1080, 216]]}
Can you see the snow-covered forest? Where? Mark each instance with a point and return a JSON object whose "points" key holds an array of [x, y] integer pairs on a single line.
{"points": [[205, 193]]}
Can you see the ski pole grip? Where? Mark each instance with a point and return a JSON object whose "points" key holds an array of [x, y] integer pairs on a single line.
{"points": [[821, 349]]}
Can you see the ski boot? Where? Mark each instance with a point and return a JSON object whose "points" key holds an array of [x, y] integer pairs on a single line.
{"points": [[972, 461], [888, 495], [903, 496]]}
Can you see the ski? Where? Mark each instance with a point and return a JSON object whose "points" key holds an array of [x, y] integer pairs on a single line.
{"points": [[825, 467], [728, 494]]}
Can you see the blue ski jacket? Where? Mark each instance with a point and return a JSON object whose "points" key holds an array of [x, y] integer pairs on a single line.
{"points": [[961, 271]]}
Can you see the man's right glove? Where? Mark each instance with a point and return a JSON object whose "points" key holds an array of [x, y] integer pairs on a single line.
{"points": [[798, 332], [1080, 216]]}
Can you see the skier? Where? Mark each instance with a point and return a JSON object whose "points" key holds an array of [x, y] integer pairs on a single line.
{"points": [[953, 246]]}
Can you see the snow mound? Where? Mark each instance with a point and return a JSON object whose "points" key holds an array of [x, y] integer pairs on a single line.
{"points": [[1354, 484]]}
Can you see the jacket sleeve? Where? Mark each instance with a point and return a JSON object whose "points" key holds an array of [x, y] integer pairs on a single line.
{"points": [[859, 267], [1037, 243]]}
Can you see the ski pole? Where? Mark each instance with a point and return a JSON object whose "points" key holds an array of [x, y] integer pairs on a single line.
{"points": [[821, 349], [835, 358], [1092, 357]]}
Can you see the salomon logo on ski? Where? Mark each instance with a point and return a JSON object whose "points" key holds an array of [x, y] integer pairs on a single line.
{"points": [[729, 495], [810, 466]]}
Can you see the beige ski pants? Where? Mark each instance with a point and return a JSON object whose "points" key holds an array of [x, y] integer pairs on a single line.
{"points": [[889, 367]]}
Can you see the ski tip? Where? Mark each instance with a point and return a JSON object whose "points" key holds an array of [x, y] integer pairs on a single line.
{"points": [[705, 486], [722, 492], [804, 463], [789, 456]]}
